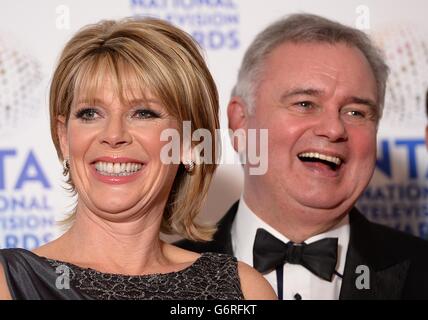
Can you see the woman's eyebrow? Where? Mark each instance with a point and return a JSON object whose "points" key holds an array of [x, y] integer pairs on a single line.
{"points": [[138, 101], [133, 102], [88, 100]]}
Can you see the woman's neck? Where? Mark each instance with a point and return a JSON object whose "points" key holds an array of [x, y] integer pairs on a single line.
{"points": [[131, 247]]}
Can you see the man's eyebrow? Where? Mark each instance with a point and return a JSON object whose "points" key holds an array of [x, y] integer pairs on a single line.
{"points": [[365, 101], [317, 92], [301, 91]]}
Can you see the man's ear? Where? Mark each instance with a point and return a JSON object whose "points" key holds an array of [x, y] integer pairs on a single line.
{"points": [[237, 115], [62, 136]]}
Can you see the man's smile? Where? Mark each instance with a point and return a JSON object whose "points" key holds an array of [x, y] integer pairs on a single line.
{"points": [[321, 160]]}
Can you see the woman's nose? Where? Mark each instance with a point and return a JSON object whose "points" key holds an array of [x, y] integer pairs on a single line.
{"points": [[116, 133]]}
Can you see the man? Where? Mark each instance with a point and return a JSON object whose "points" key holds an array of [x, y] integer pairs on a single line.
{"points": [[318, 88]]}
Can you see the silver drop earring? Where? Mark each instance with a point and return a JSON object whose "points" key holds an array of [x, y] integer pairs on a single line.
{"points": [[65, 167]]}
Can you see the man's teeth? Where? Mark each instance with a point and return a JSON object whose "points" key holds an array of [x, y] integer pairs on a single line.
{"points": [[324, 157], [117, 169]]}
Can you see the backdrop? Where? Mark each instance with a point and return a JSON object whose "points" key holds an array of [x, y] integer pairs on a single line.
{"points": [[32, 34]]}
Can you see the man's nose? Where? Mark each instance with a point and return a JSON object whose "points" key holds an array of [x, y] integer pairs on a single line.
{"points": [[331, 126], [115, 133]]}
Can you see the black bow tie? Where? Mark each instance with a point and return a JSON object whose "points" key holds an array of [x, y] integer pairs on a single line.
{"points": [[318, 257]]}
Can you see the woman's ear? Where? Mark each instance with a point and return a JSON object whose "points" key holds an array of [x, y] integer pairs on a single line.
{"points": [[61, 127], [238, 118], [187, 157]]}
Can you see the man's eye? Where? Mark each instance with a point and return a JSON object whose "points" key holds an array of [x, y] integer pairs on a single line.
{"points": [[87, 114], [145, 114], [356, 113], [304, 104]]}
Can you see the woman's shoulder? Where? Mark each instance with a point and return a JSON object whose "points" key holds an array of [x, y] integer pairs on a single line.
{"points": [[214, 274], [224, 268], [14, 262], [26, 275], [225, 263], [178, 255], [254, 285], [17, 256], [18, 260], [211, 260], [4, 290]]}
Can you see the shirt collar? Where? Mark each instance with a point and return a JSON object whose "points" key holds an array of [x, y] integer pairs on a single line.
{"points": [[246, 223]]}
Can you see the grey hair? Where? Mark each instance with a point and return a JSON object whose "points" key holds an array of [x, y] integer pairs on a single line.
{"points": [[309, 28]]}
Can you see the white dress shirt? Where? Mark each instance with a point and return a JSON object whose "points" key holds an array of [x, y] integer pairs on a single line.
{"points": [[298, 281]]}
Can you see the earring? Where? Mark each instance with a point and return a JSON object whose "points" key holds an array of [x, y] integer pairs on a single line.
{"points": [[189, 166], [65, 167]]}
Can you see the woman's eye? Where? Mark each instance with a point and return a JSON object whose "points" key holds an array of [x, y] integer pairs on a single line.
{"points": [[145, 114], [87, 114]]}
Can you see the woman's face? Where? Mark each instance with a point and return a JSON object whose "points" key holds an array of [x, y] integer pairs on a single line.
{"points": [[114, 153]]}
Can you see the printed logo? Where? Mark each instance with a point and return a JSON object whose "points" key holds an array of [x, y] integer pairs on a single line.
{"points": [[213, 23]]}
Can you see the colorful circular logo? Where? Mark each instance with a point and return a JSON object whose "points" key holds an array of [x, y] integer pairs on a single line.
{"points": [[406, 49]]}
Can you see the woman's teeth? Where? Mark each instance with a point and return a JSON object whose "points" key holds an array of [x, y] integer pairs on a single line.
{"points": [[117, 169]]}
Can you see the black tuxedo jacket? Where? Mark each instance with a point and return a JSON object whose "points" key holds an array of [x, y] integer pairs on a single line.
{"points": [[397, 262]]}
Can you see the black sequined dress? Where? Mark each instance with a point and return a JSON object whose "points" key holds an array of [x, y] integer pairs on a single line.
{"points": [[29, 276]]}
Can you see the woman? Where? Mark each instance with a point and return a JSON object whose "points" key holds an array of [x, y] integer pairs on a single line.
{"points": [[117, 88]]}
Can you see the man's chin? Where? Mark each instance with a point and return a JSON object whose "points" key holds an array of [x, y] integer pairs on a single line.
{"points": [[324, 205], [323, 216]]}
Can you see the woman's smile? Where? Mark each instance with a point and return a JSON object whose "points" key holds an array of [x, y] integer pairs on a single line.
{"points": [[117, 170]]}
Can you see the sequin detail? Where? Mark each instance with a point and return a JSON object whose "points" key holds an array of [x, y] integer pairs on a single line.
{"points": [[211, 276]]}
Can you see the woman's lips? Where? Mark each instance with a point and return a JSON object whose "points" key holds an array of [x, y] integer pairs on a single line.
{"points": [[119, 171], [117, 160]]}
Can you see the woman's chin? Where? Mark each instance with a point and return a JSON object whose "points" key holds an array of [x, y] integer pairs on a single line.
{"points": [[115, 209]]}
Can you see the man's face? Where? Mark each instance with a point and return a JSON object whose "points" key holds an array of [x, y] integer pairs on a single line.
{"points": [[318, 102]]}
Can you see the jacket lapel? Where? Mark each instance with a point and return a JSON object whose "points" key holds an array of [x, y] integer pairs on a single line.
{"points": [[367, 258], [387, 273], [222, 239], [368, 246]]}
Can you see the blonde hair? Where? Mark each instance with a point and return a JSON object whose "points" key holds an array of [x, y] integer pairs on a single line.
{"points": [[148, 54]]}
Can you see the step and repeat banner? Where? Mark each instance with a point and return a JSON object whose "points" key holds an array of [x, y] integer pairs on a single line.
{"points": [[33, 197]]}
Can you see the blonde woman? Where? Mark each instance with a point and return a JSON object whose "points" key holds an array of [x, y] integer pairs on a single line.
{"points": [[117, 87]]}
